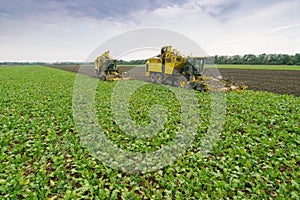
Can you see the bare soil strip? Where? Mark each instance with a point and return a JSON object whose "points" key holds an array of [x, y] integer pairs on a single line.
{"points": [[277, 81]]}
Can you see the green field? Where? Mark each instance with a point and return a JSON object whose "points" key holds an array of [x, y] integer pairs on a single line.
{"points": [[270, 67], [41, 157]]}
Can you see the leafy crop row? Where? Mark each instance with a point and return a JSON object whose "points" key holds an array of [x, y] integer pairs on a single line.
{"points": [[256, 157]]}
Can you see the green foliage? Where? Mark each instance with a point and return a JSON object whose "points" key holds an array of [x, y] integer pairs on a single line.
{"points": [[261, 59], [132, 62], [256, 157]]}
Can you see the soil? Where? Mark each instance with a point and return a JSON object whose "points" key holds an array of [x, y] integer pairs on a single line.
{"points": [[276, 81]]}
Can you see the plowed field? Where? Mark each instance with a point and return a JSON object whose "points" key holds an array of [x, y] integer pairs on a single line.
{"points": [[277, 81]]}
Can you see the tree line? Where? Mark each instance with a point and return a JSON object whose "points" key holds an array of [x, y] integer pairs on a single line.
{"points": [[132, 62], [261, 59], [247, 59]]}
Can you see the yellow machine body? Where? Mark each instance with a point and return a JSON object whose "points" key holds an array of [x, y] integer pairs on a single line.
{"points": [[106, 68], [186, 72]]}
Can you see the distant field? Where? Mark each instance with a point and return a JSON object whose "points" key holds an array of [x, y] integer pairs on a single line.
{"points": [[121, 65], [278, 81], [220, 66], [269, 67]]}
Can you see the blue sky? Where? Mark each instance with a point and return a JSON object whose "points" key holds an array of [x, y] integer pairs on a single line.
{"points": [[53, 30]]}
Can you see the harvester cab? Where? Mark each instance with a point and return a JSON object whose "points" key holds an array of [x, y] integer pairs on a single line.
{"points": [[106, 68], [195, 65]]}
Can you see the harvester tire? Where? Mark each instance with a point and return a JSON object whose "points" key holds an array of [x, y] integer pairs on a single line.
{"points": [[201, 87], [158, 78], [152, 77], [182, 82]]}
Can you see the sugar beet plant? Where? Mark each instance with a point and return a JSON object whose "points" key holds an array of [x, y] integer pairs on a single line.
{"points": [[256, 157]]}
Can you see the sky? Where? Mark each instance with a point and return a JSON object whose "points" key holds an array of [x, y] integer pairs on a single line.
{"points": [[69, 30]]}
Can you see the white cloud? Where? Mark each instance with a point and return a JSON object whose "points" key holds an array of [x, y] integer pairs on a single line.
{"points": [[290, 26], [219, 26]]}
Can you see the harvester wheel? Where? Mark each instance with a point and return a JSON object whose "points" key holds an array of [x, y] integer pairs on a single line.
{"points": [[152, 77], [201, 87], [158, 78], [182, 82]]}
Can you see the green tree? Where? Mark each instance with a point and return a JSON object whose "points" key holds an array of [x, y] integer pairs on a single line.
{"points": [[297, 59]]}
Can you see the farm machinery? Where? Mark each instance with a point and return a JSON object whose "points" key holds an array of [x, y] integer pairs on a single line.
{"points": [[106, 68], [185, 72], [169, 67]]}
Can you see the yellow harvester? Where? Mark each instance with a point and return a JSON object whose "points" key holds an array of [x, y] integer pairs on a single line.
{"points": [[186, 72], [106, 68]]}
